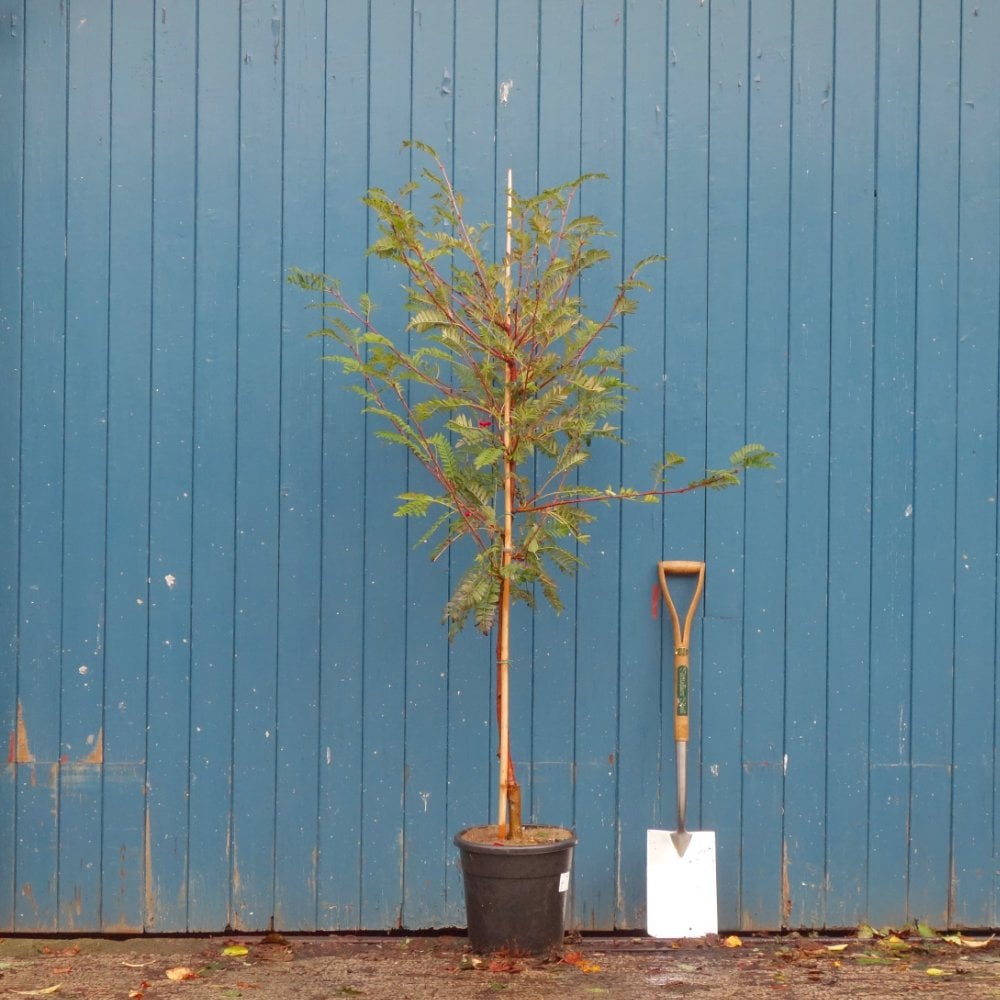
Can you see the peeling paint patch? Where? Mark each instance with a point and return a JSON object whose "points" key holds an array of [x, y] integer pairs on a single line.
{"points": [[505, 88]]}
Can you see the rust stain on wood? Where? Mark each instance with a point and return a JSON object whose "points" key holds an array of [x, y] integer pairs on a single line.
{"points": [[29, 895], [20, 751], [150, 894], [96, 756], [786, 891]]}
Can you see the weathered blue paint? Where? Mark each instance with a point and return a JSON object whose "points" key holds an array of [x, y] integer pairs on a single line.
{"points": [[847, 627], [227, 692], [127, 588], [11, 234], [213, 610]]}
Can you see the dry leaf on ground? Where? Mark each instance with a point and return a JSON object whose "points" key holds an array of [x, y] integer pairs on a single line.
{"points": [[502, 964], [965, 942], [576, 958], [180, 973]]}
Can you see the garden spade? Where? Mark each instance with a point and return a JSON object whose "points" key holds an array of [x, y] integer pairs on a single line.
{"points": [[680, 864]]}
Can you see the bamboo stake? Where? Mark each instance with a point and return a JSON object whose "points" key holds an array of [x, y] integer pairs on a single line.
{"points": [[504, 829]]}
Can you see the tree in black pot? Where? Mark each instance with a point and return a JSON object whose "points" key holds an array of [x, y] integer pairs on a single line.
{"points": [[514, 390]]}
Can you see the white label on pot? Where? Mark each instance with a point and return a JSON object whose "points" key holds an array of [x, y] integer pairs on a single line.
{"points": [[564, 882]]}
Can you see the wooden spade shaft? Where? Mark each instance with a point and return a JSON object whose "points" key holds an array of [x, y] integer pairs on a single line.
{"points": [[682, 644]]}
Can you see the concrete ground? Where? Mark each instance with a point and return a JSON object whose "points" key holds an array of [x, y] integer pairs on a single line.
{"points": [[322, 967]]}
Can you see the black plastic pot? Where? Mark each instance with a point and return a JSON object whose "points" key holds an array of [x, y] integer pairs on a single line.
{"points": [[515, 895]]}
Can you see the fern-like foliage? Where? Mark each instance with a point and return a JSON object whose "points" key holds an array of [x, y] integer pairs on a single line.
{"points": [[501, 374]]}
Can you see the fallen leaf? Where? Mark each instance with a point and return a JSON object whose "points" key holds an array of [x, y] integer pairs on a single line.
{"points": [[135, 995], [180, 973], [975, 942], [576, 958], [924, 929], [936, 972], [964, 942], [835, 947], [504, 965], [137, 965], [39, 993], [733, 942], [235, 950], [896, 944], [64, 952]]}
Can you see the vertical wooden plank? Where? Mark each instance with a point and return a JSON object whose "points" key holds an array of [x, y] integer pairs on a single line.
{"points": [[258, 458], [171, 393], [470, 678], [42, 503], [808, 464], [598, 597], [304, 48], [974, 900], [892, 457], [935, 390], [686, 275], [726, 422], [516, 100], [129, 358], [643, 660], [12, 96], [763, 899], [684, 365], [851, 347], [214, 470], [552, 656], [342, 542], [384, 706], [85, 466], [425, 817]]}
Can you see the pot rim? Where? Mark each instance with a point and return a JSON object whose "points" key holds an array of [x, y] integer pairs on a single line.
{"points": [[549, 847]]}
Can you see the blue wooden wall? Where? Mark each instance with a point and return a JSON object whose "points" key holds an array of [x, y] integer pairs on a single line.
{"points": [[227, 692]]}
